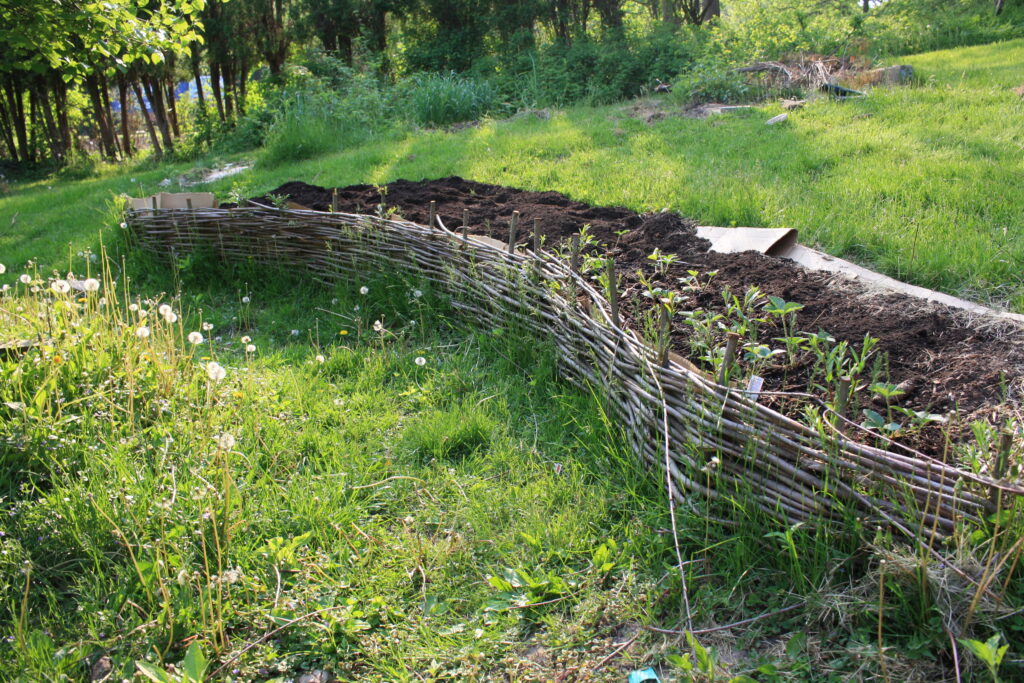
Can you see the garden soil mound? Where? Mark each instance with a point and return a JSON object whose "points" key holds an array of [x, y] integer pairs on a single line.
{"points": [[940, 359]]}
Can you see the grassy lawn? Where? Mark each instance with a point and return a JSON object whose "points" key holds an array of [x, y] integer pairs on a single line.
{"points": [[919, 182], [335, 502]]}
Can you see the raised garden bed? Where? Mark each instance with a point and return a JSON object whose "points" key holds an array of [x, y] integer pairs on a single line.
{"points": [[930, 370]]}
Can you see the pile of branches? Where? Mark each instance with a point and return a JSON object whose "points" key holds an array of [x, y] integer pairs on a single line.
{"points": [[804, 71]]}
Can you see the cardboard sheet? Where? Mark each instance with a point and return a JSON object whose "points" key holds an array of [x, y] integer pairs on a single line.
{"points": [[176, 200]]}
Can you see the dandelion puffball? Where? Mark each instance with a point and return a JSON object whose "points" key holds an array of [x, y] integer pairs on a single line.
{"points": [[25, 278], [246, 299], [195, 338], [60, 286], [207, 327], [3, 269], [142, 332], [421, 361], [215, 371], [378, 326], [416, 294], [133, 307], [164, 310], [295, 333], [319, 358], [91, 285], [246, 339], [171, 317], [364, 290], [226, 441], [251, 348]]}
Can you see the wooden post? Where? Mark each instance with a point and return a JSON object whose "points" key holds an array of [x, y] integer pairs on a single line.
{"points": [[843, 397], [465, 224], [1001, 464], [574, 264], [663, 333], [433, 213], [730, 353], [513, 226], [613, 292], [334, 201], [153, 199]]}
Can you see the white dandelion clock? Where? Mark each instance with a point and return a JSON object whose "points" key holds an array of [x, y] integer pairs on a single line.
{"points": [[91, 285], [207, 327], [246, 300], [295, 333], [60, 286], [215, 371], [421, 361], [25, 278], [164, 310], [416, 293], [3, 269], [250, 348], [364, 290], [378, 326], [142, 332], [133, 307], [319, 358], [246, 339], [171, 317], [195, 338], [225, 441]]}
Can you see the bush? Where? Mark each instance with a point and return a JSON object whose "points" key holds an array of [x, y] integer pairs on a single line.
{"points": [[444, 99]]}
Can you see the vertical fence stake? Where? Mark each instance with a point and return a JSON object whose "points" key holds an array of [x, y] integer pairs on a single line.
{"points": [[465, 225], [574, 264], [663, 333], [1002, 462], [334, 201], [433, 213], [613, 292], [512, 227], [843, 397], [730, 353]]}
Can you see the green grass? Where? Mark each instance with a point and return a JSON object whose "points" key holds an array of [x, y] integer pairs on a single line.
{"points": [[428, 509], [920, 182]]}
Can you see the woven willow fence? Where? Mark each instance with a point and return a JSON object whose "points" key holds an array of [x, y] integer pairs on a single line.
{"points": [[674, 417]]}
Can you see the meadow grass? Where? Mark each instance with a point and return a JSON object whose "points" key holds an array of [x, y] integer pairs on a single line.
{"points": [[921, 182], [472, 516]]}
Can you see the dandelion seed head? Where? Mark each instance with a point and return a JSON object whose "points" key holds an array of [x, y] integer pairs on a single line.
{"points": [[25, 278], [319, 358], [215, 371], [124, 226], [164, 309], [421, 361], [225, 441], [133, 307], [295, 333], [60, 286], [142, 332], [195, 338], [416, 294], [364, 290], [171, 317], [91, 285], [246, 339], [250, 348], [378, 326], [3, 269], [207, 327], [246, 299]]}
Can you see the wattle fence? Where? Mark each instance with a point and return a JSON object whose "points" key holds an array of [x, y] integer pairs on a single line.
{"points": [[674, 416]]}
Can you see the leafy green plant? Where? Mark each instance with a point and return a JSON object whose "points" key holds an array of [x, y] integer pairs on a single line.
{"points": [[193, 668], [989, 652], [441, 99]]}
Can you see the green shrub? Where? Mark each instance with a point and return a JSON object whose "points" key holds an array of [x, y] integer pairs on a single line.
{"points": [[444, 99]]}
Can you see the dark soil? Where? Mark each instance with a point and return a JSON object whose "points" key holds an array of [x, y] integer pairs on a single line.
{"points": [[941, 362]]}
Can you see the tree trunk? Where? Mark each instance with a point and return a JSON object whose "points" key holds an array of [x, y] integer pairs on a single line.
{"points": [[5, 132], [122, 96], [16, 106], [108, 114], [198, 76], [60, 96], [713, 9], [243, 87], [105, 136], [152, 86], [157, 152], [999, 6], [57, 151], [215, 76], [228, 73], [172, 107]]}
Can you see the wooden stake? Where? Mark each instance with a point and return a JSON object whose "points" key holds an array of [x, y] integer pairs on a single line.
{"points": [[843, 396], [334, 201], [433, 213], [512, 227], [465, 224], [663, 336], [1002, 462], [574, 263], [730, 353], [613, 292]]}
